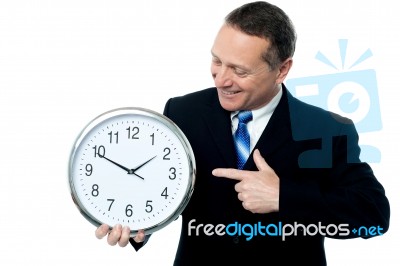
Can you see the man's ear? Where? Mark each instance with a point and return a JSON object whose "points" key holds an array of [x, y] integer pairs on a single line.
{"points": [[284, 70]]}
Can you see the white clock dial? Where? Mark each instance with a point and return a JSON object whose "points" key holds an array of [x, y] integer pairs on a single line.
{"points": [[133, 167]]}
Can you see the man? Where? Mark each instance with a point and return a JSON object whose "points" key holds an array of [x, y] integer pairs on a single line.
{"points": [[303, 171]]}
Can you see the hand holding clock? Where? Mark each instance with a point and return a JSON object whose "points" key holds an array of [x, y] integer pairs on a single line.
{"points": [[118, 235]]}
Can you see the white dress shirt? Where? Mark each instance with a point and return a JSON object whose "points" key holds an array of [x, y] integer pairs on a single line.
{"points": [[260, 119]]}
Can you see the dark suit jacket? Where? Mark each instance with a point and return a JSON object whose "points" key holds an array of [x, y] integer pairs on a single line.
{"points": [[314, 153]]}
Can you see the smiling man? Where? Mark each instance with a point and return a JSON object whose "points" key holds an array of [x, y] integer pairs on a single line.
{"points": [[244, 79], [249, 179]]}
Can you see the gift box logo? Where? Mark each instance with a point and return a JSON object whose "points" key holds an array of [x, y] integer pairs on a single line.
{"points": [[353, 94]]}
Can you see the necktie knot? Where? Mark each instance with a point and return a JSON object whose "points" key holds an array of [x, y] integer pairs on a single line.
{"points": [[245, 116]]}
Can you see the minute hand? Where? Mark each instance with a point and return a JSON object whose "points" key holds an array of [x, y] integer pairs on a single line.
{"points": [[133, 170]]}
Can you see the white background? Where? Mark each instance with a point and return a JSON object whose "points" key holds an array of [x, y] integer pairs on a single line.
{"points": [[64, 62]]}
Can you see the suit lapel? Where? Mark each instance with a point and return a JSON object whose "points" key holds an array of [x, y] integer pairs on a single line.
{"points": [[219, 125], [277, 132]]}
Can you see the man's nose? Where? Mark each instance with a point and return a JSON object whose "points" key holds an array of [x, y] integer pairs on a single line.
{"points": [[223, 77]]}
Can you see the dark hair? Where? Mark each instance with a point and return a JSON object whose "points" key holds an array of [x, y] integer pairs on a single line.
{"points": [[266, 21]]}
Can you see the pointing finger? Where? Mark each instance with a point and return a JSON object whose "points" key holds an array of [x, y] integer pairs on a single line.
{"points": [[228, 173]]}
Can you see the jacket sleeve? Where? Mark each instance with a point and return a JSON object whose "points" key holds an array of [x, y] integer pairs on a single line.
{"points": [[349, 193]]}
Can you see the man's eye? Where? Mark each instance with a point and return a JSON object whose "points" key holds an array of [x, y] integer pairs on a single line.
{"points": [[216, 61], [240, 72]]}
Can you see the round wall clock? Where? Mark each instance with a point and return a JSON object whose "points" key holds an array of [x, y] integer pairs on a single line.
{"points": [[132, 166]]}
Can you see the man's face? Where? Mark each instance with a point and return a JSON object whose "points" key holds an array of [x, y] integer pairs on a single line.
{"points": [[243, 79]]}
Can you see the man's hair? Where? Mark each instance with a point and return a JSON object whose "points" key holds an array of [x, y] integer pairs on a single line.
{"points": [[266, 21]]}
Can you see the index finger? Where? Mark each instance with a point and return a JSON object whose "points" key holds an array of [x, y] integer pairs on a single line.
{"points": [[230, 173]]}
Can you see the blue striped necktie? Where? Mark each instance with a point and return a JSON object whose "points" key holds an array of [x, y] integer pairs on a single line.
{"points": [[242, 138]]}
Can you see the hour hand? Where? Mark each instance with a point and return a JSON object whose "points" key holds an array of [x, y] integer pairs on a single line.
{"points": [[129, 171]]}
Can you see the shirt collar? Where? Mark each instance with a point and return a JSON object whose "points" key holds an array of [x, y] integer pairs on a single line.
{"points": [[265, 110]]}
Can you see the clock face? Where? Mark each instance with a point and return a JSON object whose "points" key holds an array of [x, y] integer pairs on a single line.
{"points": [[132, 167]]}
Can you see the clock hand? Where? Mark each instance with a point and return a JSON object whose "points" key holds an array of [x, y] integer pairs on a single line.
{"points": [[133, 170], [129, 171]]}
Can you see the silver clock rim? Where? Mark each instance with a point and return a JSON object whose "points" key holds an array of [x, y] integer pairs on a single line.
{"points": [[160, 118]]}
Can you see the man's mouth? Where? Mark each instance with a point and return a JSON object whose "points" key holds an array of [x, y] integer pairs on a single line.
{"points": [[229, 92]]}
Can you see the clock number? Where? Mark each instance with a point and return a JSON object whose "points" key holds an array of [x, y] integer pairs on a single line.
{"points": [[165, 193], [89, 169], [95, 190], [149, 208], [101, 151], [172, 171], [112, 201], [111, 137], [167, 152], [135, 131], [152, 139], [128, 210]]}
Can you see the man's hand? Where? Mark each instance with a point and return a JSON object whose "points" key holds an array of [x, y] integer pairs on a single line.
{"points": [[118, 235], [258, 190]]}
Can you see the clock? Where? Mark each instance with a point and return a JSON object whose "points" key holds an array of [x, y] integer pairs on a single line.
{"points": [[134, 167]]}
